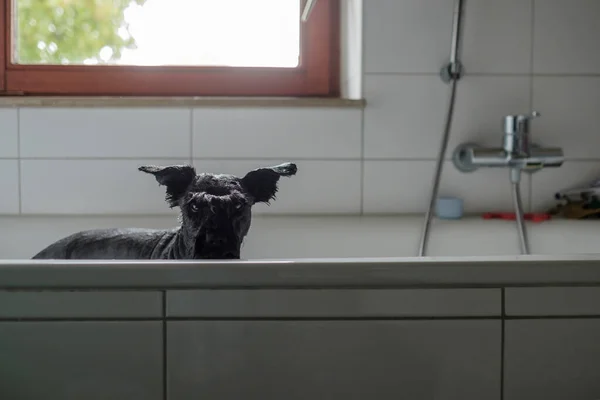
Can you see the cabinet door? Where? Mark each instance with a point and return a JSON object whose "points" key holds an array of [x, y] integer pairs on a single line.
{"points": [[553, 359], [334, 360], [80, 360]]}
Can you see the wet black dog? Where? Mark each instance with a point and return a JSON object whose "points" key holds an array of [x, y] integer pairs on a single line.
{"points": [[215, 218]]}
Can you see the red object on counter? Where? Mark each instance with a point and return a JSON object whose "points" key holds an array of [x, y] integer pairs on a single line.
{"points": [[534, 217]]}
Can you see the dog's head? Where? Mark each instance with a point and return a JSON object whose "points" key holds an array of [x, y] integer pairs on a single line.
{"points": [[216, 209]]}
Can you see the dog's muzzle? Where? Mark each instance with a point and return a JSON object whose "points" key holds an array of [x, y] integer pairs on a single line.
{"points": [[223, 255], [217, 247]]}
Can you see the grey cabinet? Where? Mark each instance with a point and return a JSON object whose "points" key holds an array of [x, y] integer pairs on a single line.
{"points": [[80, 360], [552, 301], [555, 355], [334, 359], [552, 359], [80, 304], [334, 303], [52, 349]]}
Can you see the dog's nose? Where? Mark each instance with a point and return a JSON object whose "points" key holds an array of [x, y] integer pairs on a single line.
{"points": [[229, 255], [212, 224], [214, 240]]}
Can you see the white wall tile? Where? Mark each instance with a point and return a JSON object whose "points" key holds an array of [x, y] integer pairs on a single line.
{"points": [[404, 120], [405, 115], [547, 182], [330, 236], [404, 187], [488, 189], [375, 236], [9, 182], [143, 133], [497, 36], [396, 186], [570, 115], [481, 104], [92, 187], [549, 237], [8, 133], [329, 187], [566, 37], [276, 237], [407, 35], [277, 132], [286, 237], [24, 236]]}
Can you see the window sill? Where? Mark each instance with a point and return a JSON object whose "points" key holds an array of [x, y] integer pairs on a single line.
{"points": [[93, 101]]}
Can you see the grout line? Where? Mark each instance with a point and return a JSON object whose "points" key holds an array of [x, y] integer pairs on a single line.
{"points": [[371, 159], [19, 174], [94, 158], [255, 214], [502, 341], [52, 158], [164, 345], [531, 96], [530, 194], [400, 74], [532, 38], [362, 163], [563, 75], [494, 74], [363, 53], [191, 135], [531, 57]]}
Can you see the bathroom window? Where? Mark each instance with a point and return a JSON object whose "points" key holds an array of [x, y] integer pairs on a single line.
{"points": [[169, 48]]}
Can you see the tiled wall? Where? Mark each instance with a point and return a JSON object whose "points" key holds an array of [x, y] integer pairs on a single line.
{"points": [[519, 55]]}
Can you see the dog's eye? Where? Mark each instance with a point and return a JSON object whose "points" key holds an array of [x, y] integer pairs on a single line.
{"points": [[194, 208]]}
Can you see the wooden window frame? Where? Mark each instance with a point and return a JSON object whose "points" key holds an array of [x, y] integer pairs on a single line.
{"points": [[318, 74]]}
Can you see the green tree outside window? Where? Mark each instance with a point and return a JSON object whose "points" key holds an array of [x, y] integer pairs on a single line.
{"points": [[71, 31]]}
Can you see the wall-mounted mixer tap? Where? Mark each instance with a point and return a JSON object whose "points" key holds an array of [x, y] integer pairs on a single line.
{"points": [[517, 154], [516, 133]]}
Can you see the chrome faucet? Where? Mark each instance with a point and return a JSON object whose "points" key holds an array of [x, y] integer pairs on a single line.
{"points": [[517, 154], [516, 151], [516, 133]]}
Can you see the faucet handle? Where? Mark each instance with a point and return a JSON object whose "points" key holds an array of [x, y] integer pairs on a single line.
{"points": [[524, 119], [519, 123]]}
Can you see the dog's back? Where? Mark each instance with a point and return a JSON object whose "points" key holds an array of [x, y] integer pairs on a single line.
{"points": [[110, 244]]}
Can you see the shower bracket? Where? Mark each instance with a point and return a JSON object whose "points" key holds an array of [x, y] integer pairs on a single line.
{"points": [[452, 71]]}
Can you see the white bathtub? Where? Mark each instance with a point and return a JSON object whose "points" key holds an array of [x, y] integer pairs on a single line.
{"points": [[331, 317], [503, 327]]}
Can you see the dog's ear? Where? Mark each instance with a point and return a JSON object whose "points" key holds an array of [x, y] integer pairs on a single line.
{"points": [[261, 183], [177, 178]]}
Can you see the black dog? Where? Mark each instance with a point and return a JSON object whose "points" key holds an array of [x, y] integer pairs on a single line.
{"points": [[215, 218]]}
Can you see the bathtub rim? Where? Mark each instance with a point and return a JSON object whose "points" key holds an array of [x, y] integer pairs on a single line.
{"points": [[476, 271]]}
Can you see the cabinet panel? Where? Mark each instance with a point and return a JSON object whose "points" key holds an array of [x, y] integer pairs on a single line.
{"points": [[334, 360], [334, 303], [80, 304], [80, 360], [552, 359], [557, 301]]}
